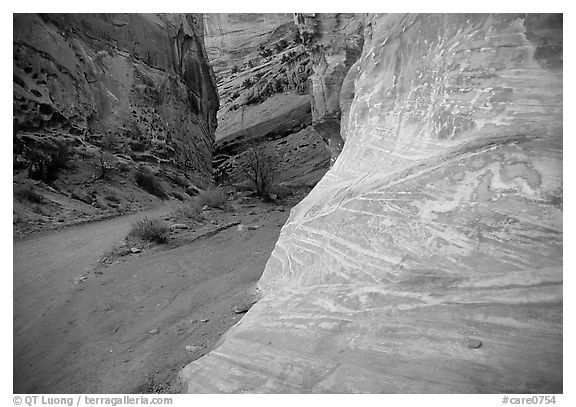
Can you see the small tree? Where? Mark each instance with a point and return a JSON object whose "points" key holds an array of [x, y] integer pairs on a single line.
{"points": [[259, 164]]}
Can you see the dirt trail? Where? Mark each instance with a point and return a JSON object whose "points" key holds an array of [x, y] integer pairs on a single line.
{"points": [[126, 330]]}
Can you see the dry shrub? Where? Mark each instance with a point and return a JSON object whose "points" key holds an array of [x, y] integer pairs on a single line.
{"points": [[148, 182], [214, 198], [28, 194], [151, 230], [193, 211]]}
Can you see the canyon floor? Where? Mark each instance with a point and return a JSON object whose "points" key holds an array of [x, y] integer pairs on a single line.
{"points": [[89, 321]]}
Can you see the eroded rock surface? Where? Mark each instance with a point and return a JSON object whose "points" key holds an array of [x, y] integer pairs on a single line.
{"points": [[135, 84], [263, 71], [439, 226], [334, 42], [231, 37]]}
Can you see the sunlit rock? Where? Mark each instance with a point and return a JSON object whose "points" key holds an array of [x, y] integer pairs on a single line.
{"points": [[439, 226]]}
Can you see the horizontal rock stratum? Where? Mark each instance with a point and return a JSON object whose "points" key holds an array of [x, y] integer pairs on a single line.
{"points": [[429, 258]]}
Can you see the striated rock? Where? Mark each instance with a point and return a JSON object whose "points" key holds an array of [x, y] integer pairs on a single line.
{"points": [[231, 37], [299, 159], [132, 84], [441, 220], [279, 116], [263, 77]]}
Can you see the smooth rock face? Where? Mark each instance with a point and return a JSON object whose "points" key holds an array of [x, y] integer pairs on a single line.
{"points": [[137, 84], [440, 223]]}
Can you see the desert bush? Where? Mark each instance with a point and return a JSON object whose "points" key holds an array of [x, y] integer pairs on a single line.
{"points": [[235, 95], [282, 192], [235, 69], [151, 230], [45, 166], [123, 166], [296, 38], [214, 198], [193, 211], [138, 146], [265, 53], [281, 45], [148, 182], [259, 164], [247, 83], [30, 195]]}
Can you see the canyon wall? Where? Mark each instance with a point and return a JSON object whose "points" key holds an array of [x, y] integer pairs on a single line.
{"points": [[138, 85], [429, 258], [231, 37], [263, 70], [334, 42]]}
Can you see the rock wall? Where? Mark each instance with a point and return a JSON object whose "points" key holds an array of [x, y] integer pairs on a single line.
{"points": [[263, 74], [136, 84], [231, 37], [334, 42], [429, 258]]}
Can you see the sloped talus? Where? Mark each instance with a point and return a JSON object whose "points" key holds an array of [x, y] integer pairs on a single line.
{"points": [[429, 258]]}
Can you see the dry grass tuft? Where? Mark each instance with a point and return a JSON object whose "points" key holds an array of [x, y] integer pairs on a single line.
{"points": [[151, 230]]}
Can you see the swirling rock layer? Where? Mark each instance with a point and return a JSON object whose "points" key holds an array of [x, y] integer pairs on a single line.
{"points": [[429, 258]]}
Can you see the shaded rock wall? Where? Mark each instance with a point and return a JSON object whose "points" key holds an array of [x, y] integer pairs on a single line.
{"points": [[334, 42], [298, 159], [138, 84], [429, 258]]}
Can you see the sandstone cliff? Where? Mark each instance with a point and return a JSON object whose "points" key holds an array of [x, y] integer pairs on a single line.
{"points": [[231, 37], [113, 91], [334, 42], [263, 74], [429, 258]]}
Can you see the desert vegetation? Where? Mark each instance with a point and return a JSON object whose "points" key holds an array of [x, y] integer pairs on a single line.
{"points": [[213, 198], [259, 165], [28, 194], [190, 211], [150, 230], [148, 182], [45, 165]]}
